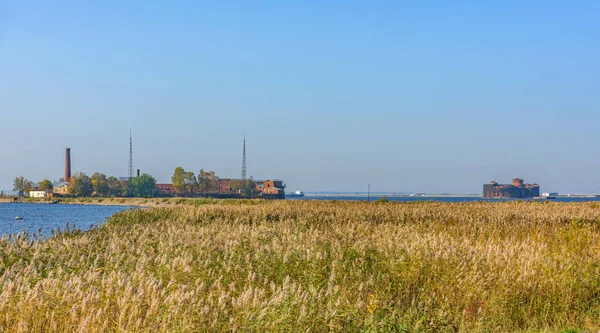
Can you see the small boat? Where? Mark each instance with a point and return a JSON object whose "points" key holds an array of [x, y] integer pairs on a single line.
{"points": [[18, 218]]}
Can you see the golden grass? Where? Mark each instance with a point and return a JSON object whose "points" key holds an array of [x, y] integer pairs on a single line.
{"points": [[311, 266]]}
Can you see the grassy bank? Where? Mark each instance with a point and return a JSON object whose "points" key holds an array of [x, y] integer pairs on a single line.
{"points": [[312, 266]]}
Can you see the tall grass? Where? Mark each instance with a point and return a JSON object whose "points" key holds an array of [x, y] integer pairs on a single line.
{"points": [[312, 266]]}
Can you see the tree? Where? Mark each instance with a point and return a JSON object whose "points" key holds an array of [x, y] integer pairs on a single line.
{"points": [[45, 185], [80, 185], [22, 185], [208, 181], [28, 186], [18, 185], [100, 184], [251, 190], [191, 183], [114, 188], [124, 188], [178, 180], [142, 186], [247, 189], [236, 185]]}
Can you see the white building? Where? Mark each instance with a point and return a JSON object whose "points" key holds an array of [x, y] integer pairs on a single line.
{"points": [[37, 194]]}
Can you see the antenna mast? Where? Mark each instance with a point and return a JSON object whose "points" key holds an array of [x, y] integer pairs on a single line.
{"points": [[131, 174], [244, 160]]}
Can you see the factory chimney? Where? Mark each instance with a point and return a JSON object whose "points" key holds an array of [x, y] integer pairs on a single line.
{"points": [[138, 172], [67, 164]]}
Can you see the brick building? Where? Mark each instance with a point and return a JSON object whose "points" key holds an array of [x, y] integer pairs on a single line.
{"points": [[163, 190], [273, 189], [224, 185]]}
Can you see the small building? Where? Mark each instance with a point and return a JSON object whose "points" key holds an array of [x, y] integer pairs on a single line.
{"points": [[273, 189], [61, 188], [40, 194]]}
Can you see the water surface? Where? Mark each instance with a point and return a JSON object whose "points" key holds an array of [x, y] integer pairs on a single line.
{"points": [[431, 198], [50, 217]]}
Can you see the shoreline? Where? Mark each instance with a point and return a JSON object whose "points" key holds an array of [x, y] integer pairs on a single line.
{"points": [[131, 202]]}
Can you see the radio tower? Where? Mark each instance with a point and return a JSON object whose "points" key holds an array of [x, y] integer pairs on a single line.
{"points": [[244, 160], [131, 174]]}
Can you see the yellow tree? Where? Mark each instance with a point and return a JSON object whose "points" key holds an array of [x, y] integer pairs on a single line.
{"points": [[178, 180]]}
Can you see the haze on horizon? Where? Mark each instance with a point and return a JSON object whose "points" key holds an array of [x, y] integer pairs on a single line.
{"points": [[438, 97]]}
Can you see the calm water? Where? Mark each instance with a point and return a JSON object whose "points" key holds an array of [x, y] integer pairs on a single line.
{"points": [[442, 199], [49, 217]]}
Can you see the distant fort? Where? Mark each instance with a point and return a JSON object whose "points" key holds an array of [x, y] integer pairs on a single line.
{"points": [[515, 190]]}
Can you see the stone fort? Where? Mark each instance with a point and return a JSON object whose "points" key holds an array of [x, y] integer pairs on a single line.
{"points": [[515, 190]]}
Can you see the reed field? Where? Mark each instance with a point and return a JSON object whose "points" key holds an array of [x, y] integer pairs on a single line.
{"points": [[311, 266]]}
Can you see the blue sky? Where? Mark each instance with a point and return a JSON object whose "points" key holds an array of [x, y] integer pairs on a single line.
{"points": [[333, 95]]}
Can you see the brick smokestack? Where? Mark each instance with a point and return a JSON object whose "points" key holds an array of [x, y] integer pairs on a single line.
{"points": [[67, 164]]}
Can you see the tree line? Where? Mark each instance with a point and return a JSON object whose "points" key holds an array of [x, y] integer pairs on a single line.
{"points": [[81, 185], [188, 183], [185, 183]]}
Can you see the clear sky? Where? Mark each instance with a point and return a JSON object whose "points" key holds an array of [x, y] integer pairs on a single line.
{"points": [[427, 96]]}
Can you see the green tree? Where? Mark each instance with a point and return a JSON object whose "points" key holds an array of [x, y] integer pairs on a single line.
{"points": [[236, 185], [124, 188], [100, 184], [191, 183], [142, 186], [178, 180], [19, 185], [114, 188], [45, 185], [247, 189], [208, 182], [80, 185], [27, 187], [22, 186], [251, 190]]}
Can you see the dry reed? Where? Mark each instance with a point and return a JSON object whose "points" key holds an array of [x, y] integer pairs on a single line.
{"points": [[311, 266]]}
